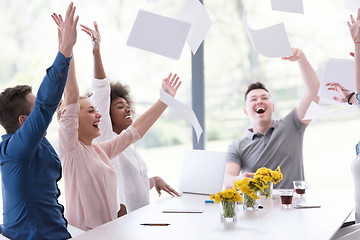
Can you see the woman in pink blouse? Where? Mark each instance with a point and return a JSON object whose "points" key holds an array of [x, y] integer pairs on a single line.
{"points": [[90, 179]]}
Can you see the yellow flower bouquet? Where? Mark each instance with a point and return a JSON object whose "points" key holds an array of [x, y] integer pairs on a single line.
{"points": [[251, 187], [270, 177], [228, 199]]}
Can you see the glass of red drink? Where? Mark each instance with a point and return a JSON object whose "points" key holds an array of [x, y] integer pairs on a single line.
{"points": [[286, 197], [300, 187]]}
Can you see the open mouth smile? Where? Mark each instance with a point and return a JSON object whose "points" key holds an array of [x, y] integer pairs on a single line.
{"points": [[260, 110], [96, 125]]}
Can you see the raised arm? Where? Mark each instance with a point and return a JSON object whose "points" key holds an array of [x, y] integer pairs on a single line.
{"points": [[48, 95], [311, 83], [344, 95], [69, 33], [71, 93], [147, 119], [100, 85], [354, 26], [99, 71]]}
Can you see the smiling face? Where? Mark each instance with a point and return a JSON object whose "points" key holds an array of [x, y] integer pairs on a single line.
{"points": [[259, 108], [89, 120], [120, 114]]}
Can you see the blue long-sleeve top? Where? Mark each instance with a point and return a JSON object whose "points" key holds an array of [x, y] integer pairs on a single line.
{"points": [[30, 167]]}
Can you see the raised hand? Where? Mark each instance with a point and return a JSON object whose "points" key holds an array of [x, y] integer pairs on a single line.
{"points": [[68, 31], [354, 27], [297, 55], [59, 22], [171, 84], [94, 34], [342, 92]]}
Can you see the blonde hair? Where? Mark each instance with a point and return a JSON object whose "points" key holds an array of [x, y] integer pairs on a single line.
{"points": [[60, 106]]}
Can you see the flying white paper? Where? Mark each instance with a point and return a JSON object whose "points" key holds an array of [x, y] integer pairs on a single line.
{"points": [[294, 6], [195, 13], [271, 42], [158, 34], [340, 71], [183, 110], [316, 111]]}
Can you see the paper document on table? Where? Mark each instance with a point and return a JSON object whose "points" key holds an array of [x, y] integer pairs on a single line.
{"points": [[340, 71], [299, 206], [295, 6], [315, 111], [185, 210], [183, 110], [271, 42], [158, 34], [195, 13]]}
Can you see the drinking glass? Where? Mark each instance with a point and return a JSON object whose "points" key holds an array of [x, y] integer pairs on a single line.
{"points": [[286, 197], [300, 187]]}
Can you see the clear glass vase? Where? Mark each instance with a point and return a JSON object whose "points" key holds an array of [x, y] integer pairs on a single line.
{"points": [[250, 203], [228, 211], [267, 192]]}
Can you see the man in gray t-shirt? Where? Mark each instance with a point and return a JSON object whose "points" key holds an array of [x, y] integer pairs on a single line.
{"points": [[271, 143]]}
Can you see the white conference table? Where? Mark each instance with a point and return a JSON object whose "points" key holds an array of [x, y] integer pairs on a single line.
{"points": [[271, 222]]}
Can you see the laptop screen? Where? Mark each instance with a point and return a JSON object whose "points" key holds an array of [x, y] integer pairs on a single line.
{"points": [[202, 172]]}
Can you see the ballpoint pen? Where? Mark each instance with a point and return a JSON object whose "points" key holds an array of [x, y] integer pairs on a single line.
{"points": [[155, 224]]}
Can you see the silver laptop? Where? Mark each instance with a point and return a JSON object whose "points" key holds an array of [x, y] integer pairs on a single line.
{"points": [[202, 172]]}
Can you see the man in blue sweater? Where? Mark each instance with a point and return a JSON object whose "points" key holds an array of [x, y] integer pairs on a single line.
{"points": [[30, 167]]}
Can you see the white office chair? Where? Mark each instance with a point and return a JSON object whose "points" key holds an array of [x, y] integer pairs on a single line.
{"points": [[348, 233]]}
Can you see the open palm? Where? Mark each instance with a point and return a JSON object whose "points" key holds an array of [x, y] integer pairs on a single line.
{"points": [[171, 84], [354, 27]]}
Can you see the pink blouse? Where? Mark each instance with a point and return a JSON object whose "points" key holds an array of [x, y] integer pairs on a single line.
{"points": [[90, 179]]}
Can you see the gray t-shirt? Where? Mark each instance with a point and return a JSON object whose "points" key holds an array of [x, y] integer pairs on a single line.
{"points": [[281, 146]]}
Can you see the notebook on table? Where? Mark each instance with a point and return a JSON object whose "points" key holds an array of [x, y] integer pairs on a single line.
{"points": [[202, 172]]}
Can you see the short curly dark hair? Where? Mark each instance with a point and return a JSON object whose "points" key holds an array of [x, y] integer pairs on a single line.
{"points": [[13, 103], [257, 85], [123, 91]]}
